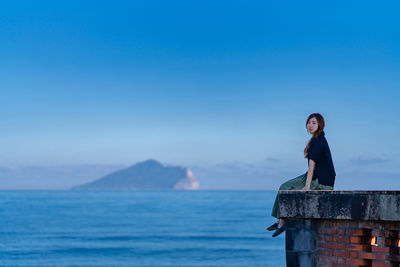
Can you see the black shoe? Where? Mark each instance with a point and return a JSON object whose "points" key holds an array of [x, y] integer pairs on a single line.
{"points": [[279, 231], [273, 227]]}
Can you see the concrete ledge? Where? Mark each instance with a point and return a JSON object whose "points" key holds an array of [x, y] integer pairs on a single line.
{"points": [[340, 205]]}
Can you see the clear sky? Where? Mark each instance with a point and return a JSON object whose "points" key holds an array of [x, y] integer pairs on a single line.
{"points": [[201, 83]]}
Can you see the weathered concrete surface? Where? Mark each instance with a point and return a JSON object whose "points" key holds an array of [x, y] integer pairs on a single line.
{"points": [[301, 243], [341, 205]]}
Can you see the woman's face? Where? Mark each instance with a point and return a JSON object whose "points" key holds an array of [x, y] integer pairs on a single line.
{"points": [[312, 125]]}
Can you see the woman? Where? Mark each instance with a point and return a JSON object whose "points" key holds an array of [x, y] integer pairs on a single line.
{"points": [[321, 172]]}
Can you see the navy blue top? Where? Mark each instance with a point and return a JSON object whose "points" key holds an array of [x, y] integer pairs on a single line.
{"points": [[320, 153]]}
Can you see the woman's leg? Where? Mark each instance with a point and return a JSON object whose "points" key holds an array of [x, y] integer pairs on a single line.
{"points": [[293, 184]]}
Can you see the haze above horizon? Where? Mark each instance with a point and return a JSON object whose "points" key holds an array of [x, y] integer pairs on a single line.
{"points": [[222, 87]]}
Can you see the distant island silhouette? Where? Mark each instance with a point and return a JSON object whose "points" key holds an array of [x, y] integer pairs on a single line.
{"points": [[146, 175]]}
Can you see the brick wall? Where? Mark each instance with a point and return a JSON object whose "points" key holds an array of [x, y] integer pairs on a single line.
{"points": [[357, 243]]}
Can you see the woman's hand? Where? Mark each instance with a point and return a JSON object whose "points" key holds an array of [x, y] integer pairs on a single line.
{"points": [[306, 187]]}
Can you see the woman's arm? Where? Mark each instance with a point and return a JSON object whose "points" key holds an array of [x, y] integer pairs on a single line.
{"points": [[310, 173]]}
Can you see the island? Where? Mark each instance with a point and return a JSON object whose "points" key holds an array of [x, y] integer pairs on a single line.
{"points": [[146, 175]]}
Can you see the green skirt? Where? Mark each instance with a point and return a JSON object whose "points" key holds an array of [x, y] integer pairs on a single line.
{"points": [[297, 184]]}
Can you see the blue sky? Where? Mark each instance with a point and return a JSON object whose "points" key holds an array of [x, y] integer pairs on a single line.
{"points": [[202, 84]]}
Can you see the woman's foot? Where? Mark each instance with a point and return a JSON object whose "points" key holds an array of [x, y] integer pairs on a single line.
{"points": [[279, 231], [273, 227], [281, 228]]}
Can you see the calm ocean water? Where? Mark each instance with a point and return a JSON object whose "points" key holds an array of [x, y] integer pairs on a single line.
{"points": [[143, 228]]}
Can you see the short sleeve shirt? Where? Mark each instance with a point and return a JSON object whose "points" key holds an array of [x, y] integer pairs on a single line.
{"points": [[320, 153]]}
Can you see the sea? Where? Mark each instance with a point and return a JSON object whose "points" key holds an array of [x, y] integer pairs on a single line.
{"points": [[138, 228]]}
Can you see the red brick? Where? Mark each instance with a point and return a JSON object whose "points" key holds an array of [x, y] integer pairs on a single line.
{"points": [[352, 224], [360, 239], [347, 225], [392, 226], [367, 225], [380, 249], [367, 255], [341, 253], [323, 259], [341, 260], [380, 264], [327, 230], [328, 238], [328, 245], [341, 231], [325, 252], [357, 262], [355, 239], [365, 232], [330, 231], [341, 246], [353, 254], [340, 238], [326, 223], [381, 257], [356, 247], [391, 242]]}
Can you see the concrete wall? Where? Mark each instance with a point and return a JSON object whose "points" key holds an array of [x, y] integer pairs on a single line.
{"points": [[341, 228]]}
